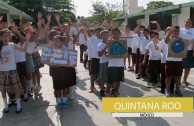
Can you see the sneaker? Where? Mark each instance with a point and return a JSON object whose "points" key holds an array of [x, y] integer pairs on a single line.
{"points": [[138, 76], [11, 103], [64, 104], [168, 94], [59, 105], [30, 94], [102, 94], [162, 91], [178, 93], [18, 110], [25, 98], [148, 85], [5, 110]]}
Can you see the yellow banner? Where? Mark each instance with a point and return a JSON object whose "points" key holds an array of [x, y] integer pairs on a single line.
{"points": [[147, 104]]}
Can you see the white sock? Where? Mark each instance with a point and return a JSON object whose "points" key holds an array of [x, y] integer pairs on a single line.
{"points": [[5, 103], [18, 103], [25, 96], [71, 91], [58, 100], [64, 99]]}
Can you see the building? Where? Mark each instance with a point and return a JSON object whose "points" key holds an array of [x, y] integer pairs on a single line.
{"points": [[166, 16], [11, 13], [131, 7]]}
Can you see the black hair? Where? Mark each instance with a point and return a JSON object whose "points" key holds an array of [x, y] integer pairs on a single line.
{"points": [[116, 30], [98, 29], [142, 26], [177, 27], [147, 30], [127, 26], [3, 31], [154, 32]]}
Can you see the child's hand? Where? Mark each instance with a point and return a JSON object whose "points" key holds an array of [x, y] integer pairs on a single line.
{"points": [[21, 15], [57, 17], [1, 17], [39, 15], [28, 35], [48, 18]]}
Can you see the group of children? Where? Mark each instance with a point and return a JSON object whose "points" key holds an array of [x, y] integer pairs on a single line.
{"points": [[20, 60], [149, 56]]}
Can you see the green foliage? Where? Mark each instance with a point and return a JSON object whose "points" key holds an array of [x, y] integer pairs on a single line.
{"points": [[102, 11], [157, 4], [63, 7]]}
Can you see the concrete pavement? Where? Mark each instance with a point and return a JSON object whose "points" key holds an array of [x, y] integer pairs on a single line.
{"points": [[85, 110]]}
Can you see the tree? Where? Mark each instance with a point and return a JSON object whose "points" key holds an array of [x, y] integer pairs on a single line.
{"points": [[103, 11], [63, 7], [157, 4]]}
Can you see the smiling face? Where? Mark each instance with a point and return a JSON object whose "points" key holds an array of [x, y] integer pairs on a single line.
{"points": [[188, 23], [104, 36], [57, 42], [116, 35], [5, 37]]}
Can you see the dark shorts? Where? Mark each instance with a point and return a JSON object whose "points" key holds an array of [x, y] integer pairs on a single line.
{"points": [[102, 75], [154, 66], [63, 77], [133, 58], [173, 68], [22, 71], [115, 74], [188, 61], [129, 50], [141, 58], [94, 66]]}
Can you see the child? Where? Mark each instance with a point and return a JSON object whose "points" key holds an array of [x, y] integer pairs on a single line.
{"points": [[94, 66], [102, 76], [10, 82], [142, 67], [67, 76], [115, 69], [154, 59], [174, 67]]}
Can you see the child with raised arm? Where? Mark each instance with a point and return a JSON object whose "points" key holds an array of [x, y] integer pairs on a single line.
{"points": [[9, 81]]}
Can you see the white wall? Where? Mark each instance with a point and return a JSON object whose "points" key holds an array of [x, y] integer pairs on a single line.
{"points": [[185, 14]]}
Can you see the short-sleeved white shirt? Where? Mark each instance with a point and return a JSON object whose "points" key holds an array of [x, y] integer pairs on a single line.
{"points": [[103, 58], [144, 44], [94, 43], [7, 61], [153, 53], [187, 34]]}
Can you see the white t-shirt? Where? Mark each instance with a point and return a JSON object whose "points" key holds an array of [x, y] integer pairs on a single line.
{"points": [[32, 47], [103, 58], [19, 55], [134, 40], [7, 60], [129, 40], [73, 31], [187, 34], [164, 47], [144, 44], [82, 39], [154, 54], [94, 42], [89, 48]]}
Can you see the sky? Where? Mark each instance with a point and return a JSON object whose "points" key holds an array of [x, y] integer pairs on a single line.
{"points": [[84, 7]]}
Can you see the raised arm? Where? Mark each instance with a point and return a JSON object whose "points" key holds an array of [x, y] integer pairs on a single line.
{"points": [[167, 39], [21, 24], [57, 17], [17, 33], [28, 34]]}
